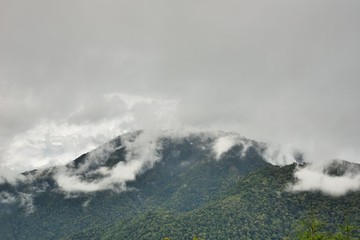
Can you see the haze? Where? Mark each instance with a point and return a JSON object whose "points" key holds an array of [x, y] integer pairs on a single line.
{"points": [[74, 74]]}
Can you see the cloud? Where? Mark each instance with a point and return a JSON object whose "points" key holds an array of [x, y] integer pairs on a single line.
{"points": [[274, 71], [57, 142], [7, 198], [24, 200], [86, 203], [223, 144], [53, 143], [9, 175], [313, 178], [142, 154], [225, 141], [282, 155]]}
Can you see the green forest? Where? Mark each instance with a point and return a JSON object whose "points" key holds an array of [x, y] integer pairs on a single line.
{"points": [[187, 195], [256, 208]]}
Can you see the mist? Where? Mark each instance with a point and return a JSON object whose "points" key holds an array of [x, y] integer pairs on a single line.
{"points": [[73, 76]]}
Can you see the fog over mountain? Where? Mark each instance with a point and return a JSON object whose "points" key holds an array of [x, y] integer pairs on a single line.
{"points": [[74, 75]]}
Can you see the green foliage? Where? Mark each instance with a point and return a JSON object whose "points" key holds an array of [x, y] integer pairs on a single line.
{"points": [[197, 238], [187, 178], [187, 195], [347, 232], [257, 207], [311, 229], [314, 229]]}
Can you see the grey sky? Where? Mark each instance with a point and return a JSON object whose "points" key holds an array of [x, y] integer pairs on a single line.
{"points": [[282, 71]]}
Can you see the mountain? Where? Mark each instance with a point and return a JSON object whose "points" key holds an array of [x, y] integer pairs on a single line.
{"points": [[256, 208], [146, 185]]}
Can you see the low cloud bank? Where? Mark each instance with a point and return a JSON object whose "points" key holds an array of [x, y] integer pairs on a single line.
{"points": [[55, 142], [10, 176], [223, 144], [275, 154], [316, 177], [334, 178], [281, 155], [24, 200], [142, 153], [225, 141], [142, 149]]}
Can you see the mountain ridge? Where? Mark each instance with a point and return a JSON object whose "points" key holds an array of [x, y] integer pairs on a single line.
{"points": [[184, 174]]}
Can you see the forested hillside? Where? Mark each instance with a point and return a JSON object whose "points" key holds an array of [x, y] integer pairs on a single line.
{"points": [[257, 208], [189, 190]]}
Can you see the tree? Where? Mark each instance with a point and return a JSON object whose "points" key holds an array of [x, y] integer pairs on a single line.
{"points": [[346, 232], [197, 238], [312, 229]]}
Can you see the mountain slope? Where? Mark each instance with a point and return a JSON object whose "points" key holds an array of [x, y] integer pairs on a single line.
{"points": [[185, 175], [257, 208]]}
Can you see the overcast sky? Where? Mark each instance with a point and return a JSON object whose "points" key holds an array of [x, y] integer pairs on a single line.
{"points": [[74, 73]]}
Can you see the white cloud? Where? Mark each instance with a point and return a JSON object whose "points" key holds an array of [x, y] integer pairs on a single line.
{"points": [[9, 175], [223, 144], [259, 68], [225, 141], [142, 153], [280, 155], [313, 178], [56, 142]]}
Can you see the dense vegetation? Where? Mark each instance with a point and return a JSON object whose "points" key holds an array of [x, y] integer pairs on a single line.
{"points": [[257, 208], [188, 193]]}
